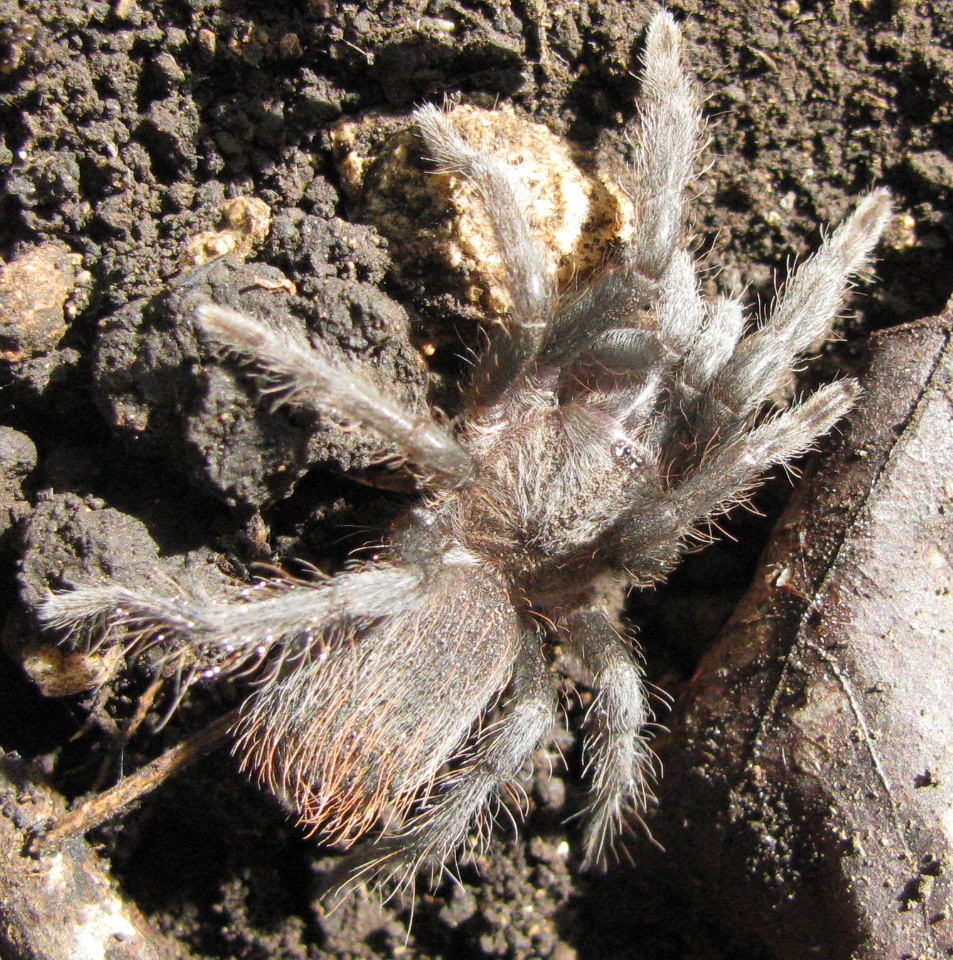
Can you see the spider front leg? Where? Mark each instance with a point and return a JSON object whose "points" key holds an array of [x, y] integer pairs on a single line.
{"points": [[290, 372], [504, 199], [616, 752], [666, 149], [465, 796], [801, 316], [667, 144], [720, 379], [651, 535]]}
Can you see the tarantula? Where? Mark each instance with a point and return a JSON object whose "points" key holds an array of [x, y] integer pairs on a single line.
{"points": [[598, 431]]}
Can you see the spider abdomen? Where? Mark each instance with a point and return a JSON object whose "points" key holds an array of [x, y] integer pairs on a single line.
{"points": [[356, 727]]}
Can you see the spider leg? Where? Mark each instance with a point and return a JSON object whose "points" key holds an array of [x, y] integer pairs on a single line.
{"points": [[529, 713], [616, 752], [290, 372], [666, 149], [716, 341], [232, 636], [651, 536], [628, 352], [665, 152], [612, 299], [680, 310], [504, 199], [683, 341], [801, 316], [696, 338]]}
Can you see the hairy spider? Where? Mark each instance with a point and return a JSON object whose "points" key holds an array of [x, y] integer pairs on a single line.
{"points": [[597, 433]]}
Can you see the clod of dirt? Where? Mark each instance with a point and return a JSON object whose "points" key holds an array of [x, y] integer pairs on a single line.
{"points": [[933, 167], [64, 903], [438, 220], [156, 383], [59, 672], [34, 290], [17, 459], [73, 539], [245, 225]]}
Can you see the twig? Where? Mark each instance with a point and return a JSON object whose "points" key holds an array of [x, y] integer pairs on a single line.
{"points": [[110, 803]]}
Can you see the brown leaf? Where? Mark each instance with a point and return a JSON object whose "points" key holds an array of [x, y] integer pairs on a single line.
{"points": [[815, 790]]}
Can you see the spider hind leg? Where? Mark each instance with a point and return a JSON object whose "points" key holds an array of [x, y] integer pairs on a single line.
{"points": [[616, 752]]}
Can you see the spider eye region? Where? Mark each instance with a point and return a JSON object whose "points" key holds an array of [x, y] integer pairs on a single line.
{"points": [[629, 455]]}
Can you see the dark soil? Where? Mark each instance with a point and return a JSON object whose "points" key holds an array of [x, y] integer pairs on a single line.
{"points": [[123, 129]]}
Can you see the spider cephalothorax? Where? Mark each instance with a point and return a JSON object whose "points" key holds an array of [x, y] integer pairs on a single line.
{"points": [[598, 431]]}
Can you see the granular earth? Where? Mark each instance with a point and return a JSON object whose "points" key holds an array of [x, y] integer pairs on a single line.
{"points": [[124, 129]]}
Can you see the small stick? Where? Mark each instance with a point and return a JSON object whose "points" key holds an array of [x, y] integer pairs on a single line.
{"points": [[142, 709], [110, 803]]}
